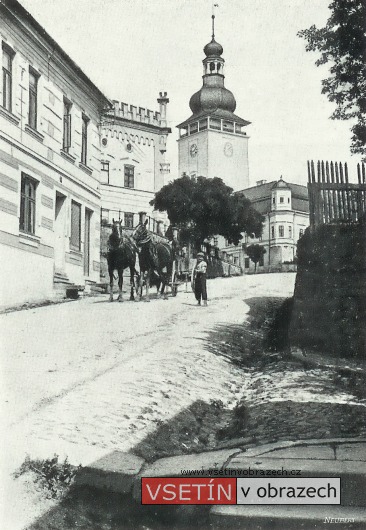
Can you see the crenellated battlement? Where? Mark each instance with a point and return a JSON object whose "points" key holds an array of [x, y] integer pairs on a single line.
{"points": [[137, 114]]}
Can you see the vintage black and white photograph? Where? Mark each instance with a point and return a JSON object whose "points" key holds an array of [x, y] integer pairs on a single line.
{"points": [[183, 257]]}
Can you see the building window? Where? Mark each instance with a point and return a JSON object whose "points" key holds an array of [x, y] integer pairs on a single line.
{"points": [[282, 200], [8, 55], [273, 232], [27, 220], [273, 200], [301, 232], [246, 263], [33, 88], [128, 219], [66, 143], [75, 240], [281, 231], [290, 231], [105, 172], [84, 140], [129, 177]]}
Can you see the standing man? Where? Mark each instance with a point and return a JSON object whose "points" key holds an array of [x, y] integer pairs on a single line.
{"points": [[199, 279]]}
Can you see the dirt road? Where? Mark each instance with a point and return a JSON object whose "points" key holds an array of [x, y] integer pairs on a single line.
{"points": [[87, 377]]}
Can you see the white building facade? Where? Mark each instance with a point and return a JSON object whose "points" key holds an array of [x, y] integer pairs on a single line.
{"points": [[134, 163], [50, 164], [285, 208]]}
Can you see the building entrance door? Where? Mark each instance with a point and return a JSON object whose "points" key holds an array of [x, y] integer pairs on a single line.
{"points": [[88, 215], [60, 231]]}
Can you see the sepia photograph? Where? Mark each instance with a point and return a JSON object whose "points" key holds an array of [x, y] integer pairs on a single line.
{"points": [[183, 255]]}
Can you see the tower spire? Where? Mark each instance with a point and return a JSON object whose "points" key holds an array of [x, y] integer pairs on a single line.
{"points": [[213, 26]]}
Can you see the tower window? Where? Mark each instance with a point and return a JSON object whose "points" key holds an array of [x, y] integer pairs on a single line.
{"points": [[212, 67], [273, 232], [228, 126], [290, 231], [203, 124], [218, 67], [281, 200], [193, 128], [281, 231], [215, 124]]}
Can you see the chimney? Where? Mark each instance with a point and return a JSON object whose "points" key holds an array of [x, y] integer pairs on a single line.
{"points": [[163, 100]]}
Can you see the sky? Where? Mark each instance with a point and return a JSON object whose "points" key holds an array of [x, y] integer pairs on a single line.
{"points": [[133, 49]]}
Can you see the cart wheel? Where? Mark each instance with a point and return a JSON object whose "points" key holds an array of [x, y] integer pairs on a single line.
{"points": [[174, 284]]}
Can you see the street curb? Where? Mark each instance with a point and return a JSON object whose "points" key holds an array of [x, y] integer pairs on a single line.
{"points": [[121, 472], [114, 472]]}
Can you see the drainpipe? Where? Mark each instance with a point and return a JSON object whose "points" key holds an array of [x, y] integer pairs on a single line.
{"points": [[269, 242]]}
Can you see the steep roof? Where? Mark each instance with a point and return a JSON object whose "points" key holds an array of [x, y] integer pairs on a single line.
{"points": [[218, 113], [260, 196]]}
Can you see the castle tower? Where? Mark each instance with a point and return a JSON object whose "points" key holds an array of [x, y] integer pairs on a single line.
{"points": [[212, 142]]}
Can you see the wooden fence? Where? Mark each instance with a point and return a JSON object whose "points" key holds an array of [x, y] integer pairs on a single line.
{"points": [[332, 198]]}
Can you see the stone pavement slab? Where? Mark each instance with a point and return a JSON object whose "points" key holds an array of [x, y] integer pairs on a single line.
{"points": [[352, 474], [287, 517], [352, 452], [313, 452], [173, 466], [114, 472]]}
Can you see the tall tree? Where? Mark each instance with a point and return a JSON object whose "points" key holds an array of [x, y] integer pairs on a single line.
{"points": [[202, 208], [342, 42], [255, 253]]}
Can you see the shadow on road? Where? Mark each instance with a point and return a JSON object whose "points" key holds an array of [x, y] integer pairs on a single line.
{"points": [[258, 345]]}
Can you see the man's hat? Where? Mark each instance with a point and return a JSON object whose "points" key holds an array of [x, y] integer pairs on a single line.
{"points": [[200, 254]]}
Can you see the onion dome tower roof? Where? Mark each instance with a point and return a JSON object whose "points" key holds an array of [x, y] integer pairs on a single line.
{"points": [[213, 99], [213, 49]]}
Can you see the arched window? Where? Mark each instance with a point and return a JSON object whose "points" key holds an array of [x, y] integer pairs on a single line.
{"points": [[212, 67]]}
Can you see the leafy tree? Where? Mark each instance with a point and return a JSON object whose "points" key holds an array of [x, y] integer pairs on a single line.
{"points": [[255, 253], [202, 208], [343, 42]]}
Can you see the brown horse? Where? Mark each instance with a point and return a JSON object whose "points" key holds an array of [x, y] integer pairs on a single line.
{"points": [[153, 257], [121, 254]]}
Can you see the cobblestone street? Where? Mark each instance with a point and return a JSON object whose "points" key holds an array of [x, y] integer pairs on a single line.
{"points": [[89, 376], [81, 379]]}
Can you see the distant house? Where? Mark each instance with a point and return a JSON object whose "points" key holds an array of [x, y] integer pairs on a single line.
{"points": [[50, 164], [285, 207]]}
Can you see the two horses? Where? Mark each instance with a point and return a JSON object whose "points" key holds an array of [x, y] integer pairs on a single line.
{"points": [[155, 259]]}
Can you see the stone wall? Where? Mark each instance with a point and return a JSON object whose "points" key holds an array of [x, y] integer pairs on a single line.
{"points": [[329, 310]]}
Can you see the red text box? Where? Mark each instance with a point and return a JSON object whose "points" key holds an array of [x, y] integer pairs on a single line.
{"points": [[188, 490]]}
